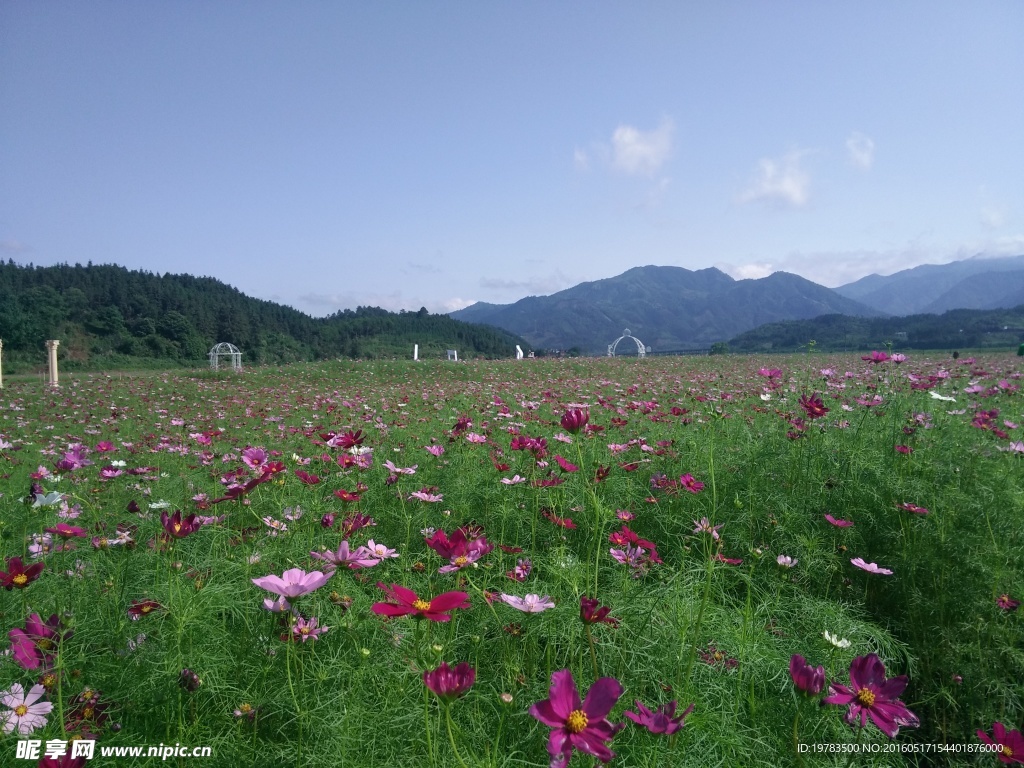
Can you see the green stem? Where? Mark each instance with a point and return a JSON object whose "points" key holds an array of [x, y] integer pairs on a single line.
{"points": [[451, 736]]}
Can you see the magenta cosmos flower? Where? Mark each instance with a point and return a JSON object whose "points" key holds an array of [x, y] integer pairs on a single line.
{"points": [[449, 683], [575, 419], [36, 644], [839, 523], [177, 526], [294, 582], [805, 677], [661, 720], [1011, 745], [871, 695], [407, 602], [583, 726], [360, 557]]}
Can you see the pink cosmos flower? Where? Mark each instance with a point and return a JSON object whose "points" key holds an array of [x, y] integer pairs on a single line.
{"points": [[870, 567], [435, 450], [66, 531], [449, 683], [876, 357], [583, 726], [23, 713], [345, 556], [401, 470], [17, 575], [514, 480], [906, 450], [1010, 744], [307, 630], [529, 604], [839, 523], [786, 561], [293, 583], [254, 458], [566, 466], [1006, 603], [36, 644], [521, 571], [693, 486], [704, 526], [425, 496], [661, 720], [913, 508], [871, 695]]}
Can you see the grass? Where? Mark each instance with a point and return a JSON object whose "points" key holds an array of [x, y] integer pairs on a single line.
{"points": [[697, 627]]}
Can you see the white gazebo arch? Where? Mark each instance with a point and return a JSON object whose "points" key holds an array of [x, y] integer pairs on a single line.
{"points": [[229, 351], [641, 350]]}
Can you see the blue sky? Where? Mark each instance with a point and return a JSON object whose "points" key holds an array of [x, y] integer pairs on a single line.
{"points": [[404, 154]]}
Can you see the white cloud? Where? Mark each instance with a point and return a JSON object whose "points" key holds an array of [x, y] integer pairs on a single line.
{"points": [[861, 150], [781, 180], [320, 304], [581, 159], [753, 271], [642, 152]]}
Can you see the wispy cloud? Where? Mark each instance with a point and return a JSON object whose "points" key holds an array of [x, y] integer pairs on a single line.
{"points": [[993, 218], [779, 180], [861, 150], [534, 285], [642, 152], [14, 247], [752, 271]]}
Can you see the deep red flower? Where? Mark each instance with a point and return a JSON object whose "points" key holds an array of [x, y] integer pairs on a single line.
{"points": [[17, 575], [805, 677], [1011, 745], [913, 508], [449, 684], [561, 522], [876, 357], [141, 608], [871, 695], [307, 478], [813, 406], [1007, 603], [583, 726], [407, 602], [592, 612], [177, 526], [601, 474], [565, 465], [346, 496]]}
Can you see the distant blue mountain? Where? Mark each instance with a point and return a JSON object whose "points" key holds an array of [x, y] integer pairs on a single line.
{"points": [[667, 308]]}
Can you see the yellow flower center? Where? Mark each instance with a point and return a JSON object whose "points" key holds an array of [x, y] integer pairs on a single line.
{"points": [[146, 609], [866, 697], [245, 709], [20, 580], [420, 605], [49, 680], [43, 643], [576, 721], [177, 527], [460, 560], [304, 631], [88, 712], [21, 710]]}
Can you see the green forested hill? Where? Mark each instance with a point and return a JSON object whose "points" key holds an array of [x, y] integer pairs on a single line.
{"points": [[956, 329], [109, 315]]}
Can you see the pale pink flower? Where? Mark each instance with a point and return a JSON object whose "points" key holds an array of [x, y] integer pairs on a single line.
{"points": [[870, 567], [294, 582], [24, 715], [530, 603]]}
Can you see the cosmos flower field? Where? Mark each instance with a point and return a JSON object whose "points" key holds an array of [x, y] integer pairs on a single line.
{"points": [[733, 561]]}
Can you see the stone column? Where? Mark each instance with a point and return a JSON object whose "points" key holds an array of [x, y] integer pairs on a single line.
{"points": [[415, 351], [51, 347], [1, 363]]}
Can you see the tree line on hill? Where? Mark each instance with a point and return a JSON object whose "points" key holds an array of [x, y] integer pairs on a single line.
{"points": [[108, 315], [955, 329]]}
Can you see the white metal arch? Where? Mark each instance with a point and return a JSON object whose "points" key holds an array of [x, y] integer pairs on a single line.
{"points": [[641, 350], [230, 351]]}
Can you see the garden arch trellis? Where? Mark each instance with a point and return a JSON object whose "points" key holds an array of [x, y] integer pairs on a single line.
{"points": [[641, 350], [230, 351]]}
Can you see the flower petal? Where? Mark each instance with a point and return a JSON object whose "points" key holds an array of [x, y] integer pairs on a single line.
{"points": [[601, 698]]}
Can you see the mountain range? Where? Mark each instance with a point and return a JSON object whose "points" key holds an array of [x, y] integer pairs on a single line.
{"points": [[676, 309]]}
